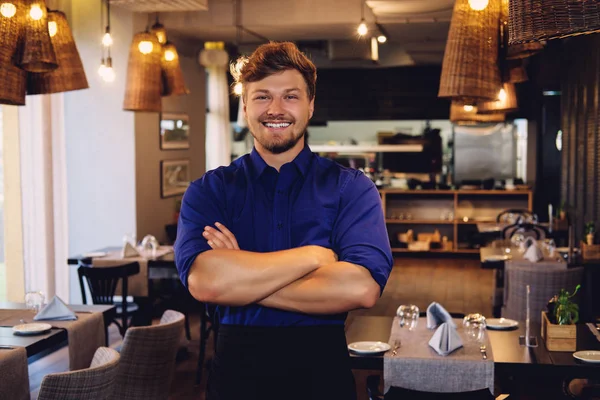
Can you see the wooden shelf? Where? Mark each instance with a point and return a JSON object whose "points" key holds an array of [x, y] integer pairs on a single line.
{"points": [[488, 192], [416, 192], [403, 250], [419, 221], [467, 251]]}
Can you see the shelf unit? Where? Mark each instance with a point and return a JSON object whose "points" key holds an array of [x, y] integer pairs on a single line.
{"points": [[446, 211]]}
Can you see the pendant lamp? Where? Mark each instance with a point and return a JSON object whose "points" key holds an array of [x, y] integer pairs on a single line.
{"points": [[506, 102], [143, 85], [13, 80], [470, 67], [536, 20], [517, 72], [466, 115], [70, 74], [523, 50], [173, 83], [38, 53]]}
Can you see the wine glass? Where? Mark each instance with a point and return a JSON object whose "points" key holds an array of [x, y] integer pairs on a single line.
{"points": [[34, 300], [409, 316], [474, 327]]}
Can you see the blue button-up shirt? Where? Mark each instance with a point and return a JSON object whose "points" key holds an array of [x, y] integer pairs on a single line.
{"points": [[310, 201]]}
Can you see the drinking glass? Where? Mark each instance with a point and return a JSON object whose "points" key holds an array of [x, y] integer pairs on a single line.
{"points": [[474, 327], [150, 245], [34, 300], [409, 316]]}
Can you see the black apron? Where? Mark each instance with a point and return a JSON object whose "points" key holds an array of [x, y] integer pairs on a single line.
{"points": [[283, 363]]}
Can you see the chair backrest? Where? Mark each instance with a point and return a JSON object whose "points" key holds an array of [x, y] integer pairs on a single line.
{"points": [[538, 232], [518, 215], [102, 281], [545, 278], [148, 359], [94, 383]]}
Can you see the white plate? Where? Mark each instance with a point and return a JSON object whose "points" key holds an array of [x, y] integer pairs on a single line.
{"points": [[498, 257], [592, 356], [31, 329], [566, 249], [95, 254], [369, 347], [501, 323]]}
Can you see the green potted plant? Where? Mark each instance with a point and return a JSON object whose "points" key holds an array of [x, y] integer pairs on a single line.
{"points": [[590, 231], [558, 323]]}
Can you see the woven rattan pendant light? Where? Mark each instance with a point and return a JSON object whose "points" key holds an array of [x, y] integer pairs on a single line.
{"points": [[143, 85], [535, 20], [38, 53], [470, 68], [70, 74], [507, 101], [173, 83], [523, 50], [460, 114], [517, 72], [13, 80]]}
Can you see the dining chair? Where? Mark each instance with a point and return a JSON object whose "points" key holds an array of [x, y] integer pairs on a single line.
{"points": [[94, 383], [538, 232], [102, 283], [546, 279], [515, 215], [396, 393], [148, 359]]}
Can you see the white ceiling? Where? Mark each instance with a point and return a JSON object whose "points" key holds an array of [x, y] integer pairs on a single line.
{"points": [[415, 28]]}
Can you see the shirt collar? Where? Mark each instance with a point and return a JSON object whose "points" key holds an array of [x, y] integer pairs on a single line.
{"points": [[302, 161]]}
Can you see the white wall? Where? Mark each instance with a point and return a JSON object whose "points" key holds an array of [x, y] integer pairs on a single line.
{"points": [[100, 142]]}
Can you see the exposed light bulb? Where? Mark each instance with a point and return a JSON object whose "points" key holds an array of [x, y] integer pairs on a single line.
{"points": [[145, 47], [8, 10], [109, 74], [502, 95], [169, 55], [362, 29], [161, 36], [238, 89], [36, 12], [102, 69], [52, 28], [468, 107], [478, 5], [107, 39], [381, 39]]}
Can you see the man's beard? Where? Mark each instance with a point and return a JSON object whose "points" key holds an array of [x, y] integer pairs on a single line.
{"points": [[279, 147]]}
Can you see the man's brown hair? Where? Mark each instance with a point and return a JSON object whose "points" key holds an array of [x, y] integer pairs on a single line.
{"points": [[272, 58]]}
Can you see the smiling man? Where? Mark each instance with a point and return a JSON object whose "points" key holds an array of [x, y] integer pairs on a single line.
{"points": [[285, 243]]}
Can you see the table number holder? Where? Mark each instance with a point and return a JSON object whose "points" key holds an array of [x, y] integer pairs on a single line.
{"points": [[528, 340]]}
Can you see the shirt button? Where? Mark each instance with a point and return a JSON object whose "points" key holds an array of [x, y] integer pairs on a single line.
{"points": [[280, 192], [279, 225]]}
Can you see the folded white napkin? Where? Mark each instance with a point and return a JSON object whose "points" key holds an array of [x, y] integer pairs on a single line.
{"points": [[436, 315], [533, 253], [129, 250], [445, 339], [56, 310]]}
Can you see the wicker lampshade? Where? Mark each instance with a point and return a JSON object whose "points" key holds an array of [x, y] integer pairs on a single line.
{"points": [[70, 74], [38, 53], [143, 85], [523, 50], [173, 83], [161, 33], [459, 115], [13, 80], [470, 68], [535, 20], [507, 102], [517, 72]]}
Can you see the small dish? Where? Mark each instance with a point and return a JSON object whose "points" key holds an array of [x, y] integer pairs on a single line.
{"points": [[369, 347], [591, 356], [95, 254], [501, 323], [497, 257], [34, 328]]}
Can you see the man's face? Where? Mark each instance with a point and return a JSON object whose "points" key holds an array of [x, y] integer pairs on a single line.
{"points": [[277, 110]]}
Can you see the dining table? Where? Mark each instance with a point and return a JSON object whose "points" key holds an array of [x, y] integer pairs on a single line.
{"points": [[515, 365]]}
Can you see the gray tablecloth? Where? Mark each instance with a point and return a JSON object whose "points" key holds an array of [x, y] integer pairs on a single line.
{"points": [[418, 367], [14, 376], [85, 334]]}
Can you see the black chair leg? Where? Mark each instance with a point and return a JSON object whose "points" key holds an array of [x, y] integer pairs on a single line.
{"points": [[203, 339], [188, 334]]}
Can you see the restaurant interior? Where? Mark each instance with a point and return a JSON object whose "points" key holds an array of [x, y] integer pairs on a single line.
{"points": [[477, 120]]}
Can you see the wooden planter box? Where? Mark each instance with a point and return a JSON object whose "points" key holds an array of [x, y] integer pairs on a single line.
{"points": [[590, 252], [558, 337]]}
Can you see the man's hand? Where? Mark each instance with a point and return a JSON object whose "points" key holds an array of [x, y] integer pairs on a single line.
{"points": [[220, 238]]}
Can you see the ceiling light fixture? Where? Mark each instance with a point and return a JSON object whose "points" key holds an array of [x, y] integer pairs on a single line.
{"points": [[362, 29], [36, 13], [383, 35], [106, 71], [478, 5], [159, 30], [8, 10]]}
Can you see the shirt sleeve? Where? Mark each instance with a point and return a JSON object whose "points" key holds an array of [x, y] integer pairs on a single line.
{"points": [[360, 235], [201, 206]]}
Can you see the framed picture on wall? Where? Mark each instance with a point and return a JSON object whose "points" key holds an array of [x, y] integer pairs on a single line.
{"points": [[174, 177], [174, 131]]}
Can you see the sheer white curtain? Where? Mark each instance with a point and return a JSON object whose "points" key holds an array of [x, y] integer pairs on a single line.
{"points": [[218, 127], [44, 198]]}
